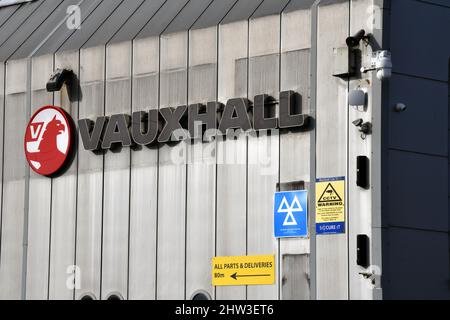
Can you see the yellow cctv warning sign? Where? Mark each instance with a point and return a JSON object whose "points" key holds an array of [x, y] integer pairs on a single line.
{"points": [[240, 271], [330, 205]]}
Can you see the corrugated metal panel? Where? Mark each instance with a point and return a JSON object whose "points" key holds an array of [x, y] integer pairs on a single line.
{"points": [[298, 5], [39, 34], [269, 7], [34, 22], [7, 13], [243, 10], [114, 23], [187, 17], [165, 15], [63, 33], [15, 22], [91, 24], [117, 20], [214, 14], [138, 20]]}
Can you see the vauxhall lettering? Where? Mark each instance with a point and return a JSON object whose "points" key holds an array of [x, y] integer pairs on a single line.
{"points": [[181, 123]]}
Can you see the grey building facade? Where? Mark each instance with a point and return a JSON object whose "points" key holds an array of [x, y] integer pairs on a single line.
{"points": [[144, 223]]}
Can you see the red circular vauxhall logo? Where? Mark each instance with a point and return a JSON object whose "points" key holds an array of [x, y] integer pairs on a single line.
{"points": [[48, 140]]}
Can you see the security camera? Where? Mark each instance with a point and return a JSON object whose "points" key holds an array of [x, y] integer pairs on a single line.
{"points": [[381, 62], [400, 107], [358, 123], [384, 65], [364, 127], [58, 79], [354, 41]]}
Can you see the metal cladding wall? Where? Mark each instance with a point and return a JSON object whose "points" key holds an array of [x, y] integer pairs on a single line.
{"points": [[135, 223], [415, 207]]}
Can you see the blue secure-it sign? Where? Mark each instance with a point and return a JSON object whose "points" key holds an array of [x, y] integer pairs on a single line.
{"points": [[291, 214]]}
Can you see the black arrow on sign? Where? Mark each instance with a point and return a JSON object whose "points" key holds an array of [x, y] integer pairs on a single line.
{"points": [[235, 276]]}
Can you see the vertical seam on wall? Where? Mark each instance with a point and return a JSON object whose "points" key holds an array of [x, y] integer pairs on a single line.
{"points": [[216, 152], [347, 189], [246, 150], [157, 172], [51, 214], [3, 157], [130, 170], [103, 175], [27, 191], [313, 142], [78, 91], [280, 48], [186, 168]]}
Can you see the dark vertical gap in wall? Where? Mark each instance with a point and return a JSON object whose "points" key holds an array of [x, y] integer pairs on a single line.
{"points": [[51, 216], [347, 189], [103, 176], [157, 173], [280, 62], [313, 141], [246, 151], [130, 171], [78, 93], [214, 293], [188, 147], [448, 175], [3, 157]]}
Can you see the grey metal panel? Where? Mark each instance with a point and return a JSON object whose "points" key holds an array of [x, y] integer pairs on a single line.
{"points": [[172, 174], [144, 177], [90, 176], [58, 38], [117, 176], [201, 178], [138, 20], [332, 114], [114, 23], [45, 28], [269, 7], [32, 24], [413, 39], [216, 11], [18, 18], [419, 255], [165, 15], [409, 199], [91, 23], [298, 5], [360, 212], [40, 187], [232, 154], [263, 149], [64, 200], [188, 15], [296, 149], [11, 259], [242, 10], [6, 13], [295, 275], [423, 127]]}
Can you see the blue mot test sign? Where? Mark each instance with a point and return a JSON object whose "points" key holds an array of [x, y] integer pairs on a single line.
{"points": [[291, 214]]}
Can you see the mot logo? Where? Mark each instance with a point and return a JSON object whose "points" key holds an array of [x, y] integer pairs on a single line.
{"points": [[48, 140]]}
